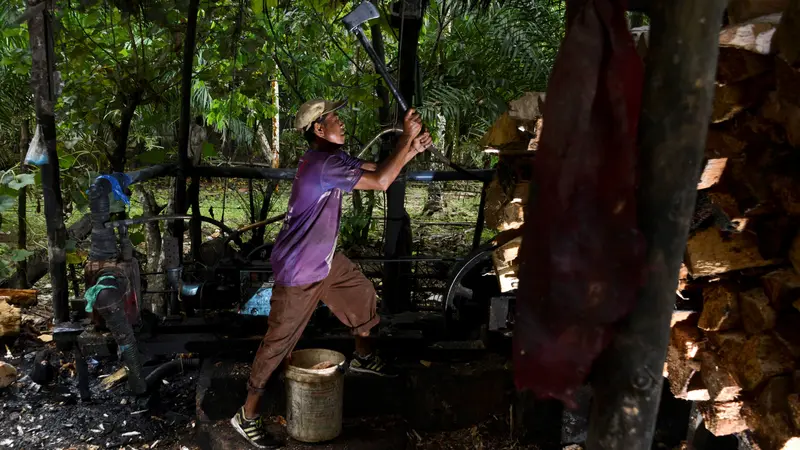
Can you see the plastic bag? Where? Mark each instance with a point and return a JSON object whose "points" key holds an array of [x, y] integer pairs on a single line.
{"points": [[37, 150]]}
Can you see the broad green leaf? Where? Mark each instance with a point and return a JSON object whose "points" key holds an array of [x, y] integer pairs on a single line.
{"points": [[20, 255], [257, 6], [22, 180], [66, 161]]}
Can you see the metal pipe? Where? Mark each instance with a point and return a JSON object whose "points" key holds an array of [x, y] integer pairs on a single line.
{"points": [[676, 107], [148, 173], [176, 365]]}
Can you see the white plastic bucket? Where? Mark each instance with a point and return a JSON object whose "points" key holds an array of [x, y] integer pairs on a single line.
{"points": [[314, 397]]}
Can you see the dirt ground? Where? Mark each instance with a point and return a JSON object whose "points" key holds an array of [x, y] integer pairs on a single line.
{"points": [[51, 415]]}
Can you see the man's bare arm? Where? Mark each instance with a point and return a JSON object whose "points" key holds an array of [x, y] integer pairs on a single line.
{"points": [[369, 166], [384, 175]]}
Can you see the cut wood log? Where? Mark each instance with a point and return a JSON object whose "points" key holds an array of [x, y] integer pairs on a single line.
{"points": [[527, 109], [513, 216], [687, 338], [722, 419], [8, 374], [774, 398], [794, 409], [787, 191], [726, 202], [774, 236], [504, 131], [773, 430], [762, 358], [732, 98], [730, 349], [684, 316], [10, 320], [721, 385], [683, 376], [504, 264], [787, 332], [712, 173], [683, 279], [740, 11], [782, 288], [20, 297], [787, 38], [736, 65], [722, 143], [720, 308], [757, 314], [709, 254]]}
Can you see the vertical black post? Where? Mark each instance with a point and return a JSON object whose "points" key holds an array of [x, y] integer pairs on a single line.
{"points": [[476, 238], [40, 29], [396, 276], [184, 164], [676, 106], [22, 208]]}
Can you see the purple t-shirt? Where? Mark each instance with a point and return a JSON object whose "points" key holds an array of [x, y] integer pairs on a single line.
{"points": [[305, 245]]}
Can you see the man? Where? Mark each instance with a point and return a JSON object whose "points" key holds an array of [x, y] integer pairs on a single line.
{"points": [[306, 267]]}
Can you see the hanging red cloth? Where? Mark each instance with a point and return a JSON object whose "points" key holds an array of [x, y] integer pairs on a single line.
{"points": [[582, 252]]}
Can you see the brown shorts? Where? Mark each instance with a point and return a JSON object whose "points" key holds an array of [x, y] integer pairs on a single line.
{"points": [[347, 293]]}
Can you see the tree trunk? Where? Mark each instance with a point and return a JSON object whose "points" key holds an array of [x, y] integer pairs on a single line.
{"points": [[263, 143], [119, 158], [276, 126], [184, 164], [22, 206], [258, 233], [40, 29], [626, 379]]}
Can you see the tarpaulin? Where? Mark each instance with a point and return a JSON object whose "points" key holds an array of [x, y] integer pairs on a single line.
{"points": [[582, 253]]}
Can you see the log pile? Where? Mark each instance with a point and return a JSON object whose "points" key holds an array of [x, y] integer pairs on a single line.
{"points": [[735, 341], [737, 353], [513, 138]]}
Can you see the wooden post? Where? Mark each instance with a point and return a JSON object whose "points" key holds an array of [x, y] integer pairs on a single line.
{"points": [[184, 164], [676, 107], [40, 29], [22, 208]]}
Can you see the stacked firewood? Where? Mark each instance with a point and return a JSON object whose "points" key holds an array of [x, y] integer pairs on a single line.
{"points": [[737, 354], [513, 138]]}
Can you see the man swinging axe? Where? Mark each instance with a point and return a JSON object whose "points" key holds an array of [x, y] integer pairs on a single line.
{"points": [[306, 267]]}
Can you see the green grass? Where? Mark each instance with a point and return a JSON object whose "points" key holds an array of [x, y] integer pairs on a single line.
{"points": [[460, 204]]}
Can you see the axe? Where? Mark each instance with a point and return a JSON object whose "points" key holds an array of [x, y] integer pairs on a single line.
{"points": [[360, 15]]}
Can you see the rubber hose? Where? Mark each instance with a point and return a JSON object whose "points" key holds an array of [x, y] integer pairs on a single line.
{"points": [[169, 368]]}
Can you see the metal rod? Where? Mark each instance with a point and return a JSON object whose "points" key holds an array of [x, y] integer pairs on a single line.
{"points": [[265, 173], [148, 173], [476, 238], [676, 107]]}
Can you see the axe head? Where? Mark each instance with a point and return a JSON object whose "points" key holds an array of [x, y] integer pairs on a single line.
{"points": [[362, 13]]}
